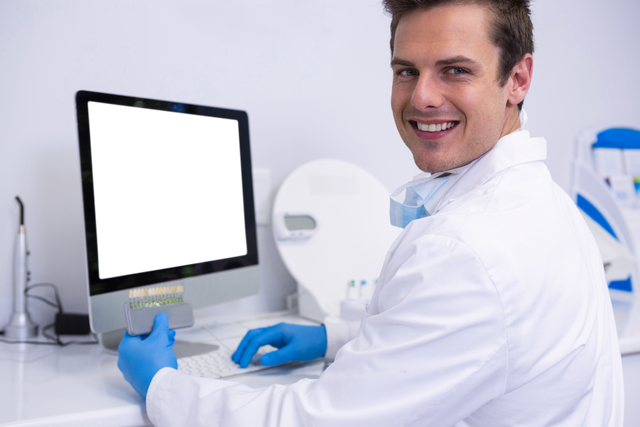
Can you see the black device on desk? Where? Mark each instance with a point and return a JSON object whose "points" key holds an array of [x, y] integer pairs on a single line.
{"points": [[168, 200]]}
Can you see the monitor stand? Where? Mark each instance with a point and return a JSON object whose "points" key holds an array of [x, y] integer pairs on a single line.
{"points": [[110, 341]]}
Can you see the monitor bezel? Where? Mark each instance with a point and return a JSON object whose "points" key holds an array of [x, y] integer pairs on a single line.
{"points": [[99, 286]]}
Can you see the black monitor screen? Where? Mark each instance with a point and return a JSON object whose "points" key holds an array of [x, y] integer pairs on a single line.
{"points": [[167, 190]]}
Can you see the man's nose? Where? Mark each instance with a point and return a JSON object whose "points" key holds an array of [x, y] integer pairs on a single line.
{"points": [[426, 94]]}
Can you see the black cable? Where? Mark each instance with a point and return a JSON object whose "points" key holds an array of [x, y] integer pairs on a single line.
{"points": [[51, 337], [55, 290], [44, 300], [29, 342], [61, 343]]}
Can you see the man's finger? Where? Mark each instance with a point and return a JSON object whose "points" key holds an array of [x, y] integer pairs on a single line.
{"points": [[266, 337], [284, 355], [237, 355], [160, 325]]}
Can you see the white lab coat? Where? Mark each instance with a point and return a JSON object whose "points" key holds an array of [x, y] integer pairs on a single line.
{"points": [[491, 312]]}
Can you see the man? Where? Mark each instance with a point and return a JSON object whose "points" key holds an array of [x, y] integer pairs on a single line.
{"points": [[491, 308]]}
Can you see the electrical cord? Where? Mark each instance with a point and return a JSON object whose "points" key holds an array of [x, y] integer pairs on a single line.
{"points": [[55, 290], [65, 343], [58, 304], [46, 301]]}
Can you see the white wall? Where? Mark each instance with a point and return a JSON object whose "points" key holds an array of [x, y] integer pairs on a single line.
{"points": [[313, 76]]}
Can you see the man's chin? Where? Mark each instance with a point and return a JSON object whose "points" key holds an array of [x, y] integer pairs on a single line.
{"points": [[433, 165], [429, 166]]}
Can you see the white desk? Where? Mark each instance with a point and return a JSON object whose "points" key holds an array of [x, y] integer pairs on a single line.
{"points": [[80, 385]]}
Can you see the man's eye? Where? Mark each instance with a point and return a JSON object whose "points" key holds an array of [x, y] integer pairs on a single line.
{"points": [[457, 71], [409, 72]]}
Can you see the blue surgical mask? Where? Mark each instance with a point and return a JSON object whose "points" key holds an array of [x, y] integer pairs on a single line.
{"points": [[417, 193]]}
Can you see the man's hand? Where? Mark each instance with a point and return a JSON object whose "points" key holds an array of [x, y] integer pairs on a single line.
{"points": [[295, 342], [140, 358]]}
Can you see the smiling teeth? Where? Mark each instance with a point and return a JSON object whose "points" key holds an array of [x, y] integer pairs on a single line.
{"points": [[435, 128]]}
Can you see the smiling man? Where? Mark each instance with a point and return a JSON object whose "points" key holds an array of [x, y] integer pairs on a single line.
{"points": [[451, 101], [491, 308]]}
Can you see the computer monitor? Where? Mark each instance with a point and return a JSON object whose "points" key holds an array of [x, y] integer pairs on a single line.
{"points": [[168, 200]]}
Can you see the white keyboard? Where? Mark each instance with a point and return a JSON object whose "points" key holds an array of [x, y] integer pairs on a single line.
{"points": [[218, 363]]}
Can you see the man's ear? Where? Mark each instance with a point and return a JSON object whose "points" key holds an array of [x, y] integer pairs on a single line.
{"points": [[520, 80]]}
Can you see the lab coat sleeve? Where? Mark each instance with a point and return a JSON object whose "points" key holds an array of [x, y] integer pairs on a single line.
{"points": [[432, 350], [339, 332]]}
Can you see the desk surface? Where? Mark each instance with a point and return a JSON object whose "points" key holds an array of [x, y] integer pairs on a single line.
{"points": [[81, 384]]}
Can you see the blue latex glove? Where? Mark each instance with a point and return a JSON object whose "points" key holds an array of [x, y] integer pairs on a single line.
{"points": [[295, 342], [141, 357]]}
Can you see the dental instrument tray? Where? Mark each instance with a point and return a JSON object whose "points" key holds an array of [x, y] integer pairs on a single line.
{"points": [[146, 303]]}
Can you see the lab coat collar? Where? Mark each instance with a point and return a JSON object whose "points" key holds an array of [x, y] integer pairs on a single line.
{"points": [[454, 175], [510, 150]]}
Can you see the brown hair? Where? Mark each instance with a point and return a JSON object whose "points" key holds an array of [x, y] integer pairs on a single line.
{"points": [[511, 32]]}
